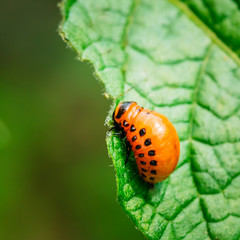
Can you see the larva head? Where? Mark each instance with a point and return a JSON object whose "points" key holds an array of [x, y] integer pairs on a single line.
{"points": [[121, 110]]}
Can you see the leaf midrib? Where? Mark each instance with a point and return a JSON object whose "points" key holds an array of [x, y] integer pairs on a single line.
{"points": [[192, 111]]}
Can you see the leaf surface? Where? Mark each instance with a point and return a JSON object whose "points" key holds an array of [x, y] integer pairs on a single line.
{"points": [[172, 57]]}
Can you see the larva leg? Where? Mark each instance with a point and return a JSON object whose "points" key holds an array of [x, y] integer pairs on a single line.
{"points": [[128, 148], [121, 134], [112, 128]]}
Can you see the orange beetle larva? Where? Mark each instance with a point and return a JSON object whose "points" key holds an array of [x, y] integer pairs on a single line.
{"points": [[152, 138]]}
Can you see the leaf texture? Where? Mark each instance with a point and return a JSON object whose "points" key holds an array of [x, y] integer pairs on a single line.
{"points": [[174, 57]]}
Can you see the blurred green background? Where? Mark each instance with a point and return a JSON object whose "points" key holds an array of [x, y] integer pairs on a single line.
{"points": [[56, 179]]}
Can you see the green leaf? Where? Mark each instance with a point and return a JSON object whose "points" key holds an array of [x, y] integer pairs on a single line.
{"points": [[223, 18], [178, 61]]}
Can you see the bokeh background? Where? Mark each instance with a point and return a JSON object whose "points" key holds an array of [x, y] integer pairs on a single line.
{"points": [[56, 179]]}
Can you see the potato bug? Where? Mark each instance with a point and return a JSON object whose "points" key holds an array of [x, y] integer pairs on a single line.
{"points": [[152, 138]]}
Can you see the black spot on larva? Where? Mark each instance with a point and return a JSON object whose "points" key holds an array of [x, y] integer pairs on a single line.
{"points": [[152, 178], [125, 123], [138, 147], [148, 142], [151, 153], [141, 155], [144, 170], [153, 163], [148, 113], [143, 163], [134, 138], [132, 128], [142, 132], [122, 109], [153, 172], [143, 175]]}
